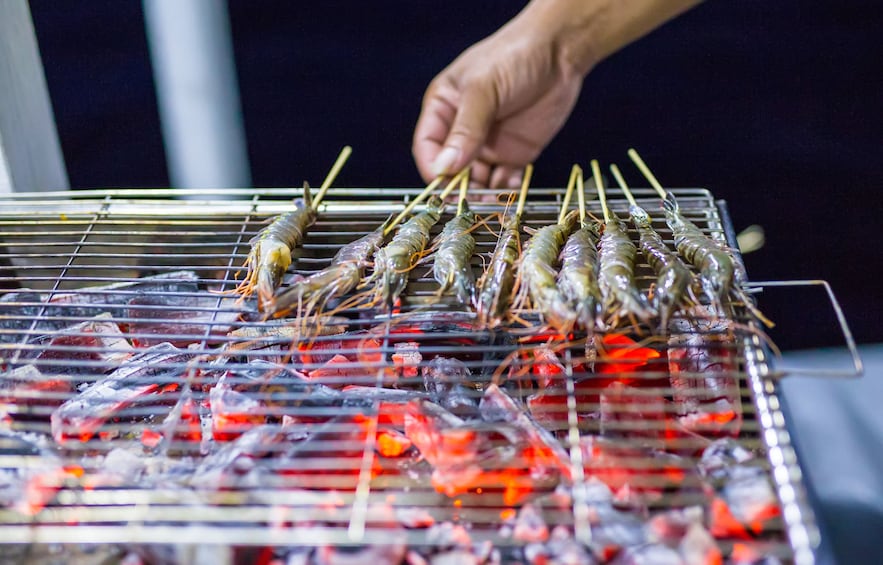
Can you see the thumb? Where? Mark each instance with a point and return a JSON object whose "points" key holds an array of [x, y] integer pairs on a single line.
{"points": [[475, 114]]}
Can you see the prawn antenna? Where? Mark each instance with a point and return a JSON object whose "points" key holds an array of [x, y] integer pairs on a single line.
{"points": [[645, 170], [332, 174]]}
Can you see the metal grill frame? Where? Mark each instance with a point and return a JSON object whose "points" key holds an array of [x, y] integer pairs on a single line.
{"points": [[187, 206]]}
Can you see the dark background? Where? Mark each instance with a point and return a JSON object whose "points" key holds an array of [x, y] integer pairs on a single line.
{"points": [[773, 106]]}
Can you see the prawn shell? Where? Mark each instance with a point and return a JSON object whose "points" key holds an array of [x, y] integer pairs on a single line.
{"points": [[451, 266], [578, 276], [394, 261], [539, 275], [616, 278], [495, 295]]}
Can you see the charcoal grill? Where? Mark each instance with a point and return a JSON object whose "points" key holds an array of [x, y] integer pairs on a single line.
{"points": [[128, 483]]}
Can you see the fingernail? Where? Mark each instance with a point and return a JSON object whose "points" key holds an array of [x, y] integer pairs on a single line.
{"points": [[514, 181], [445, 160]]}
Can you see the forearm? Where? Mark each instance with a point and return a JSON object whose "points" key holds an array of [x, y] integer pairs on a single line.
{"points": [[585, 32]]}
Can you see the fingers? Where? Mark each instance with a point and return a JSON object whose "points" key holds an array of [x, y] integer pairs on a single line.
{"points": [[452, 127], [476, 112], [432, 129], [506, 177]]}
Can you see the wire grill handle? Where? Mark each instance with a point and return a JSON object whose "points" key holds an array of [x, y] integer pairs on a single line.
{"points": [[857, 365]]}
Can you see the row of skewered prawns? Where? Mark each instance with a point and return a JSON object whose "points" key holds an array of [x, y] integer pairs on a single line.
{"points": [[586, 277], [577, 273]]}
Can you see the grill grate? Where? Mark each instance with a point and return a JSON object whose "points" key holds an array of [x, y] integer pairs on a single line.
{"points": [[234, 436]]}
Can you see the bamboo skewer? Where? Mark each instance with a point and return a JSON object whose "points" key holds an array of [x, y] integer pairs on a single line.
{"points": [[645, 170], [622, 185], [464, 186], [332, 174], [522, 197], [454, 183], [423, 196], [581, 196], [413, 203], [596, 173], [571, 183]]}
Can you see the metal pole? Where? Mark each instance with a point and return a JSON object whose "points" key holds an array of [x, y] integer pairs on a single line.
{"points": [[197, 92], [30, 154]]}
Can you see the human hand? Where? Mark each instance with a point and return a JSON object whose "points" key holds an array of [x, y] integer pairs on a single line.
{"points": [[496, 106], [502, 101]]}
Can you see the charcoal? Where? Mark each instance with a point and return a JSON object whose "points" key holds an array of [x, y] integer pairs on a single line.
{"points": [[649, 554], [530, 526], [444, 380], [155, 370], [281, 386]]}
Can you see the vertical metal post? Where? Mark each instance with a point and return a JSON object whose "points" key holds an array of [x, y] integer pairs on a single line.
{"points": [[195, 75], [30, 154]]}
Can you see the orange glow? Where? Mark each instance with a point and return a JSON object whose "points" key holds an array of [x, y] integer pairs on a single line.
{"points": [[624, 355], [391, 443]]}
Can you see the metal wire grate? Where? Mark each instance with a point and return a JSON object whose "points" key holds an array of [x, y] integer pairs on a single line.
{"points": [[141, 403]]}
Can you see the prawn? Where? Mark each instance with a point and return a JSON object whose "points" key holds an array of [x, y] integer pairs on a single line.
{"points": [[616, 271], [394, 261], [720, 275], [270, 254], [451, 266], [673, 278], [538, 269], [496, 285], [539, 275], [578, 277], [310, 294]]}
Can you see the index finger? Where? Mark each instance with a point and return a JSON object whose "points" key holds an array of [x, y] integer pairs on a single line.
{"points": [[431, 131]]}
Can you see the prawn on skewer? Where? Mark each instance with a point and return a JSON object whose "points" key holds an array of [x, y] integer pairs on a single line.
{"points": [[616, 271], [496, 285], [309, 295], [578, 277], [451, 265], [673, 278], [720, 275], [270, 253], [538, 270], [394, 261]]}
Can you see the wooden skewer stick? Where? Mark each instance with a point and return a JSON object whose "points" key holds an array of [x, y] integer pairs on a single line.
{"points": [[522, 198], [417, 200], [645, 170], [571, 183], [596, 172], [422, 196], [581, 196], [464, 186], [332, 174], [621, 182], [454, 183]]}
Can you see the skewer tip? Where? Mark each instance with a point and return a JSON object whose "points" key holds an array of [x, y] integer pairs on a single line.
{"points": [[332, 174]]}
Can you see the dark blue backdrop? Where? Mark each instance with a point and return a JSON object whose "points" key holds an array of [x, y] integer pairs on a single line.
{"points": [[774, 106]]}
